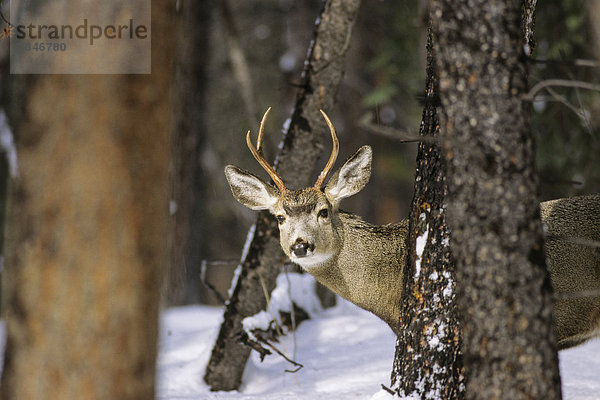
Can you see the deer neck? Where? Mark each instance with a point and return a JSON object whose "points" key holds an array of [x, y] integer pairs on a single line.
{"points": [[367, 269]]}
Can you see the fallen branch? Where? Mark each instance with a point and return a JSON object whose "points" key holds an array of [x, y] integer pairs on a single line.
{"points": [[276, 350]]}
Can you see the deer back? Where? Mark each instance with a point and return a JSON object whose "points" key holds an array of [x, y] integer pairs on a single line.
{"points": [[571, 225]]}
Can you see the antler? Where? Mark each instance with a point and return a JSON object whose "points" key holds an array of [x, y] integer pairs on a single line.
{"points": [[332, 157], [257, 153]]}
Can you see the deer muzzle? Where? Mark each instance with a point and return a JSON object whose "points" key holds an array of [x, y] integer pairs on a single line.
{"points": [[302, 248]]}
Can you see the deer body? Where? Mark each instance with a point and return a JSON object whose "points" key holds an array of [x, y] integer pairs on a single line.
{"points": [[574, 266], [368, 268], [364, 263]]}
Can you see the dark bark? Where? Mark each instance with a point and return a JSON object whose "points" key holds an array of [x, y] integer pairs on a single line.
{"points": [[86, 228], [302, 144], [428, 362], [503, 287], [528, 25], [188, 235]]}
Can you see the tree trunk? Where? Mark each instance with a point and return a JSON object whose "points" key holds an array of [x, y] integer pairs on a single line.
{"points": [[593, 15], [428, 361], [187, 206], [503, 286], [86, 229], [301, 147]]}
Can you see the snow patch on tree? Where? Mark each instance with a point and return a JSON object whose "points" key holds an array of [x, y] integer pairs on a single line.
{"points": [[291, 288], [420, 246], [245, 250]]}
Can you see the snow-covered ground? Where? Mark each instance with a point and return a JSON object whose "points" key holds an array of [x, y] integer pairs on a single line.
{"points": [[347, 353]]}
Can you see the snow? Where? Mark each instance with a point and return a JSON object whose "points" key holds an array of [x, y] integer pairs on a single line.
{"points": [[298, 288], [347, 353], [420, 246], [580, 371]]}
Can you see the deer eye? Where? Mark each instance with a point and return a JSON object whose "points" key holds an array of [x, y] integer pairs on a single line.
{"points": [[324, 213], [280, 219]]}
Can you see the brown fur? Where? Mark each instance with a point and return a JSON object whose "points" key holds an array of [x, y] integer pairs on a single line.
{"points": [[574, 267], [369, 267]]}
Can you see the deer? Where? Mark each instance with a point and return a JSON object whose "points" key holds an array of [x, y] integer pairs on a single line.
{"points": [[365, 263]]}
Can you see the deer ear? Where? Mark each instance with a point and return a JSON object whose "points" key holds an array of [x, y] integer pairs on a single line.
{"points": [[250, 190], [351, 177]]}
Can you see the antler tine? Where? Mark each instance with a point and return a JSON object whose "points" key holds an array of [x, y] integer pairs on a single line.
{"points": [[332, 157], [261, 130], [257, 153]]}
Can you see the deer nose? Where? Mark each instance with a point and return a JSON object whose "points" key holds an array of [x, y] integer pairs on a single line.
{"points": [[300, 248]]}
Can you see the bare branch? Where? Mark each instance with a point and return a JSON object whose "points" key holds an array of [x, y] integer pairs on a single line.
{"points": [[562, 83], [209, 285], [402, 136], [276, 350], [578, 62]]}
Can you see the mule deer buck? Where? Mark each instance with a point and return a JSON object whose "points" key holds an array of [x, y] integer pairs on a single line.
{"points": [[364, 263]]}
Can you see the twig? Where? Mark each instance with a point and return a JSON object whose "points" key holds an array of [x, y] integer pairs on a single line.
{"points": [[276, 350], [565, 102], [209, 285], [5, 20], [387, 389], [576, 63], [254, 345], [292, 312], [562, 83], [401, 136], [268, 299], [553, 181], [584, 115]]}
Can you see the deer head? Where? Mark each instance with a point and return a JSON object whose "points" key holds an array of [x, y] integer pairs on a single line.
{"points": [[310, 229]]}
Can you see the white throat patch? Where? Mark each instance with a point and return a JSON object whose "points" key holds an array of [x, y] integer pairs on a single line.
{"points": [[311, 261]]}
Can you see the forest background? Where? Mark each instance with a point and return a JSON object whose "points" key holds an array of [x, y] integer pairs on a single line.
{"points": [[232, 61], [378, 103]]}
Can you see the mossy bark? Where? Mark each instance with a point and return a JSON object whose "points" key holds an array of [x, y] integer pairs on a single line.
{"points": [[504, 291], [428, 361]]}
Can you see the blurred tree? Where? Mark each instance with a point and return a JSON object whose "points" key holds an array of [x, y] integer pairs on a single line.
{"points": [[6, 148], [504, 290], [256, 30], [6, 140], [189, 228], [87, 223], [593, 15], [565, 121], [385, 56]]}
